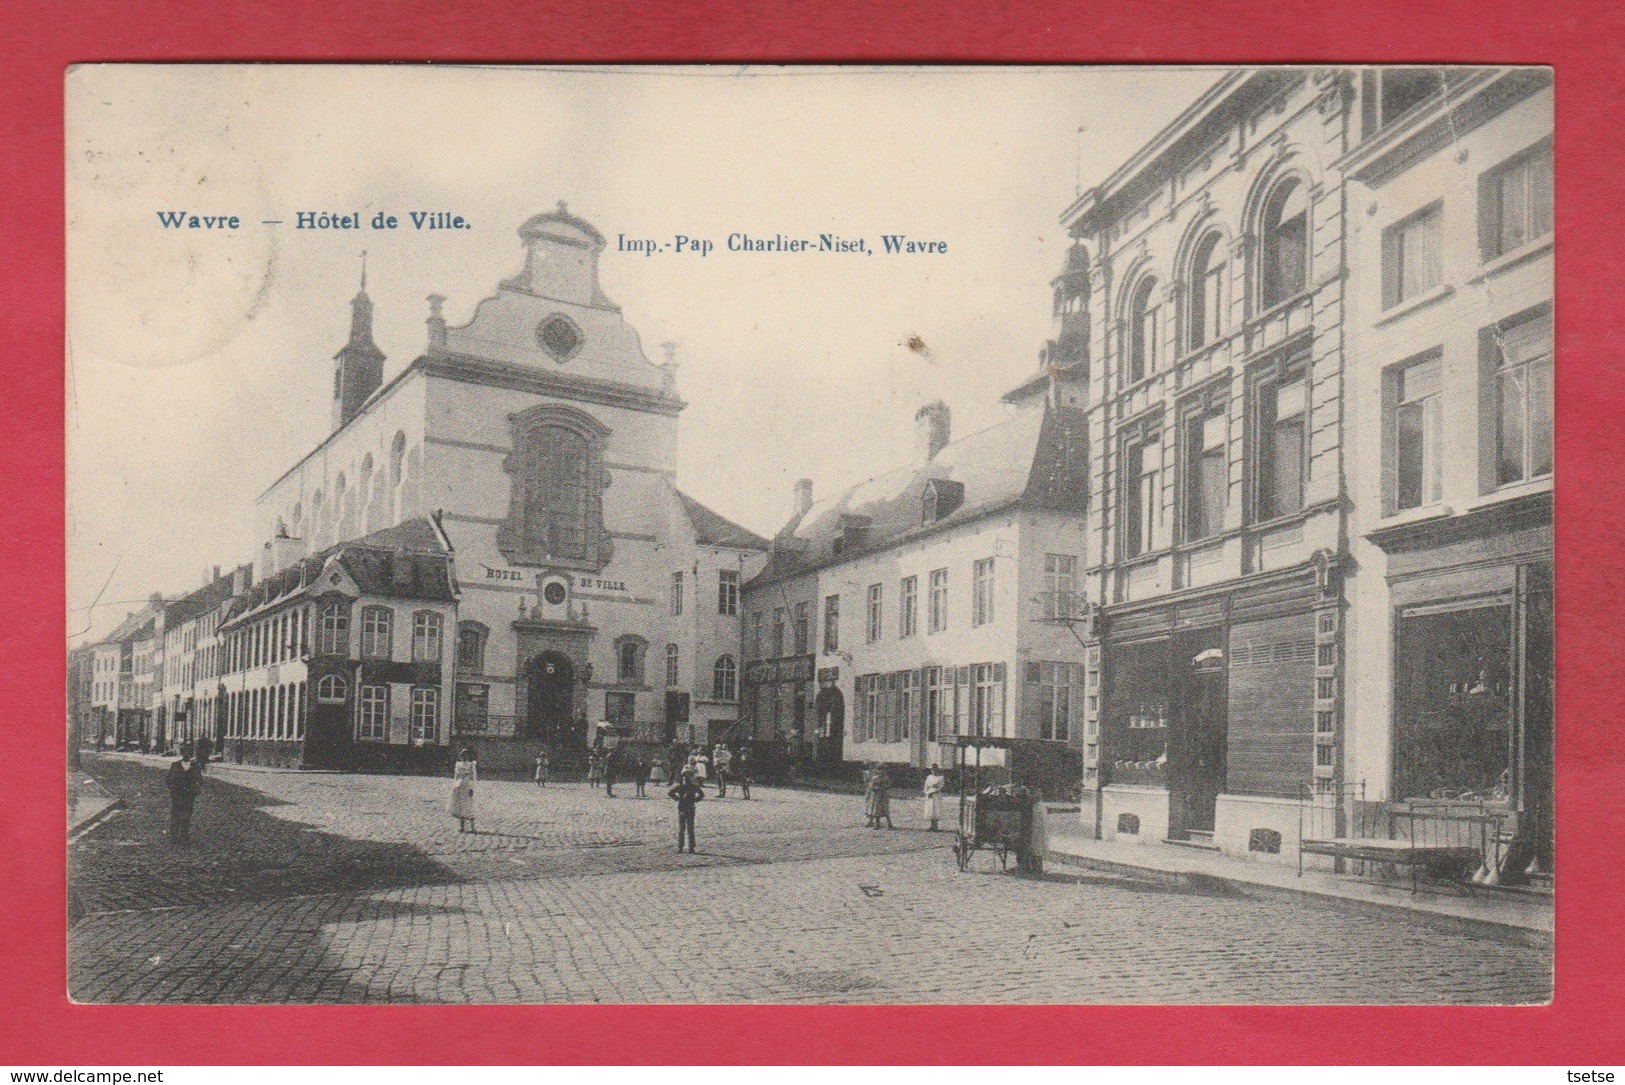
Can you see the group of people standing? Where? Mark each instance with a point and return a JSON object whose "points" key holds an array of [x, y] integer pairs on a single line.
{"points": [[608, 765], [689, 776], [877, 797]]}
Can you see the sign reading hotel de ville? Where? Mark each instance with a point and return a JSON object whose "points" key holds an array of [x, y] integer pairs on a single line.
{"points": [[960, 479]]}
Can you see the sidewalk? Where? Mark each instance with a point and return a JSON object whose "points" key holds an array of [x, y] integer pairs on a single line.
{"points": [[1525, 918], [89, 803]]}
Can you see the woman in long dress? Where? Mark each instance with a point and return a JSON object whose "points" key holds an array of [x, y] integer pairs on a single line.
{"points": [[934, 784], [877, 800], [882, 798], [463, 775]]}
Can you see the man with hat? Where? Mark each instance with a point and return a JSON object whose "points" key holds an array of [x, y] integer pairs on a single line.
{"points": [[686, 792]]}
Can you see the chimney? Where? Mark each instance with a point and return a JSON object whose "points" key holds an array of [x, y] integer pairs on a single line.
{"points": [[803, 496], [931, 426], [437, 322], [280, 553], [156, 598], [242, 579]]}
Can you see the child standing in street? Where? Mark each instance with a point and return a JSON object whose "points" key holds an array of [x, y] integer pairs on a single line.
{"points": [[687, 793]]}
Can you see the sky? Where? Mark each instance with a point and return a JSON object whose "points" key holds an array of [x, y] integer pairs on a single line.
{"points": [[199, 363]]}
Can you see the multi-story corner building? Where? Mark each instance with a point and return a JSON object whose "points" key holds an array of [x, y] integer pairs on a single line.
{"points": [[930, 584], [1449, 391], [593, 591], [342, 659], [1216, 522]]}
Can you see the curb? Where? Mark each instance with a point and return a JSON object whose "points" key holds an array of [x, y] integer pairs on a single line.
{"points": [[1500, 931], [83, 827]]}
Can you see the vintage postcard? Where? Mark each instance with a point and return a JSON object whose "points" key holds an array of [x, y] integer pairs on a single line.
{"points": [[810, 534]]}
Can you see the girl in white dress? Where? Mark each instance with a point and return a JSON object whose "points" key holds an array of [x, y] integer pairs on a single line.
{"points": [[461, 807]]}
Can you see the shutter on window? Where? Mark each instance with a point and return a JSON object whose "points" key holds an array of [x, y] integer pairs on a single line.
{"points": [[1489, 215], [1272, 710], [1390, 267], [1032, 692]]}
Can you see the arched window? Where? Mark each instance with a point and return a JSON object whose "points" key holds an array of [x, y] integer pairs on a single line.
{"points": [[555, 513], [397, 452], [725, 679], [1206, 293], [1144, 331], [471, 647], [671, 664], [330, 690], [1284, 249], [334, 636], [377, 632], [364, 494], [556, 496], [426, 636]]}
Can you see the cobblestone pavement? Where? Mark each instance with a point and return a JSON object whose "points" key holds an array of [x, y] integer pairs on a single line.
{"points": [[358, 889]]}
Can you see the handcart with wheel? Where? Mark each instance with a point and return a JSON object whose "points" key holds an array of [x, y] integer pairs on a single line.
{"points": [[996, 818]]}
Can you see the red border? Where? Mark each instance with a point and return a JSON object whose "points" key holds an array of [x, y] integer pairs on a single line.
{"points": [[1579, 37]]}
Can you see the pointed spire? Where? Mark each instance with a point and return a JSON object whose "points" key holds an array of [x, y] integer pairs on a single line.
{"points": [[361, 314], [360, 368]]}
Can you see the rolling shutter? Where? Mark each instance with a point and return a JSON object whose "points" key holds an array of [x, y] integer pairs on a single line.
{"points": [[1272, 705]]}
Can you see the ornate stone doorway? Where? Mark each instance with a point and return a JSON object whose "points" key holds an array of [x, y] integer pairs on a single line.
{"points": [[550, 704]]}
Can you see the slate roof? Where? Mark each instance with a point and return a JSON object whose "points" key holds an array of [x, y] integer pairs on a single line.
{"points": [[1036, 459], [202, 601], [713, 529], [131, 627], [408, 561]]}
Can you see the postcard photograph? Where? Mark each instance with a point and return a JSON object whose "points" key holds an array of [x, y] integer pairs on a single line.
{"points": [[809, 535]]}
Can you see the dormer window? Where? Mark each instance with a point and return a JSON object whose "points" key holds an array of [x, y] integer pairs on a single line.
{"points": [[854, 533], [941, 497]]}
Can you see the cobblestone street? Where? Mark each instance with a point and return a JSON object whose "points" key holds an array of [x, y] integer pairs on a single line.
{"points": [[339, 888]]}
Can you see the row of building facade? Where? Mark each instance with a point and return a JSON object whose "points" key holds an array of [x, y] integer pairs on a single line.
{"points": [[1272, 518]]}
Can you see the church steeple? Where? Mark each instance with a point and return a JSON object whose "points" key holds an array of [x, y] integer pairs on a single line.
{"points": [[358, 369]]}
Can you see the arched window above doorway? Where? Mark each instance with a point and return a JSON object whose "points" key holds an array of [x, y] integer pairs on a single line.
{"points": [[725, 679], [555, 512]]}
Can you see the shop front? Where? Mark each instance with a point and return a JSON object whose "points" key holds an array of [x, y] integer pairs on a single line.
{"points": [[1211, 712], [1473, 672]]}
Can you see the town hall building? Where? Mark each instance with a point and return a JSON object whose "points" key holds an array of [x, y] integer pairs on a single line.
{"points": [[591, 595]]}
